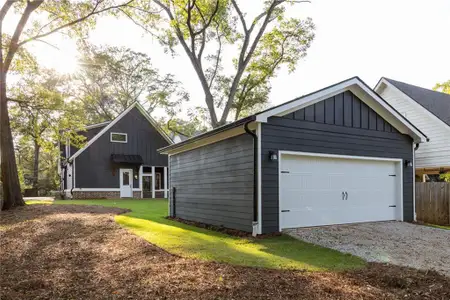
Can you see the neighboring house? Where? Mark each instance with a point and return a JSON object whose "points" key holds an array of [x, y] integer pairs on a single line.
{"points": [[430, 112], [338, 155], [119, 159]]}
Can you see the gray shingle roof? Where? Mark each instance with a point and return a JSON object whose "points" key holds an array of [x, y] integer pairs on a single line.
{"points": [[435, 102]]}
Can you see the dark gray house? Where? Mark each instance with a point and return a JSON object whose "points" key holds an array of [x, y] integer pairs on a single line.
{"points": [[120, 159], [339, 155]]}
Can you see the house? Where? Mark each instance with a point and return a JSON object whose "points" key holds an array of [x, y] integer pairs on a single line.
{"points": [[430, 112], [119, 159], [337, 155]]}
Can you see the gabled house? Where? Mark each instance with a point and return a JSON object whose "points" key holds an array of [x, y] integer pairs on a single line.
{"points": [[430, 112], [119, 159], [337, 155]]}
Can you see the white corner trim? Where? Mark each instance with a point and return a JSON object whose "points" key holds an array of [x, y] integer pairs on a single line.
{"points": [[153, 182], [414, 182], [353, 85], [118, 133], [259, 135], [411, 101], [117, 119]]}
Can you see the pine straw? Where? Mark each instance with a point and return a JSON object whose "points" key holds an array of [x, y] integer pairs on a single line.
{"points": [[79, 252]]}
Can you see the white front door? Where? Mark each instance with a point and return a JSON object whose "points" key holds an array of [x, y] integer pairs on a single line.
{"points": [[329, 190], [126, 183]]}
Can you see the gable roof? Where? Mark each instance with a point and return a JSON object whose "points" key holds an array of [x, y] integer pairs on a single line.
{"points": [[435, 102], [117, 119], [354, 84], [97, 125]]}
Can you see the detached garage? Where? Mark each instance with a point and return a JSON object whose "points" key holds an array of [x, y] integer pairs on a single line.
{"points": [[338, 155]]}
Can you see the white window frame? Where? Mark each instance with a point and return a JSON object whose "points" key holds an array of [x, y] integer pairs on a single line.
{"points": [[123, 142]]}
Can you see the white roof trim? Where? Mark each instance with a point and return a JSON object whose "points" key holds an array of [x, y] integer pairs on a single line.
{"points": [[383, 80], [97, 125], [117, 119], [361, 90]]}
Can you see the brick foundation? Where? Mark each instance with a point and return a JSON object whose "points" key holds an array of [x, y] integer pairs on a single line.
{"points": [[101, 195]]}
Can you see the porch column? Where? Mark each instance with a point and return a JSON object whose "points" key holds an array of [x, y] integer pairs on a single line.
{"points": [[165, 182], [153, 182], [141, 168]]}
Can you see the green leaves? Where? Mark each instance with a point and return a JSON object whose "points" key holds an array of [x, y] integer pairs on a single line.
{"points": [[443, 87], [112, 78]]}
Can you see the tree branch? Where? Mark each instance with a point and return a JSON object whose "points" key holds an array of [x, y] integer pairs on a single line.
{"points": [[206, 24], [14, 45], [245, 58], [6, 6], [92, 13], [198, 69]]}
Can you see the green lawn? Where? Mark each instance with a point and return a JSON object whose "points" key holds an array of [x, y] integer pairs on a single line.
{"points": [[439, 226], [147, 220]]}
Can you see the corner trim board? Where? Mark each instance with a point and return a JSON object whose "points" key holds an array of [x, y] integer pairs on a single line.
{"points": [[259, 134]]}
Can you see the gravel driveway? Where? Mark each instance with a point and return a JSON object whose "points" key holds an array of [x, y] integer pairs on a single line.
{"points": [[398, 243]]}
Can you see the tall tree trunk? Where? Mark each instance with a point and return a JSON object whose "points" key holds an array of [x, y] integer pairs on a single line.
{"points": [[10, 179], [37, 149]]}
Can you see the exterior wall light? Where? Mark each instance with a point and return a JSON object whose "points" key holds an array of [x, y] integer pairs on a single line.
{"points": [[273, 156], [408, 163]]}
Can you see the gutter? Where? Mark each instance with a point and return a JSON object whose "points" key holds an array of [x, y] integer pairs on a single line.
{"points": [[255, 178]]}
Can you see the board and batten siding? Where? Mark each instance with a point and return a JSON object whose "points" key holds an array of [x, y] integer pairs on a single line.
{"points": [[93, 167], [436, 152], [341, 125], [214, 183]]}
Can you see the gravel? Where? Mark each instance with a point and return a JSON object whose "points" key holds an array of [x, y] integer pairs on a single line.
{"points": [[399, 243]]}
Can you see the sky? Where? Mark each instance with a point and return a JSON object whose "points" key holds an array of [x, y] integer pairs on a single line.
{"points": [[406, 40]]}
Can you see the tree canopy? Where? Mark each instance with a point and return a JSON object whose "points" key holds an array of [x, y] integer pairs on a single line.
{"points": [[204, 28], [443, 87], [112, 78]]}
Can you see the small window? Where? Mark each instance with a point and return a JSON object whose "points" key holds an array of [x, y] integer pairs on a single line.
{"points": [[118, 137]]}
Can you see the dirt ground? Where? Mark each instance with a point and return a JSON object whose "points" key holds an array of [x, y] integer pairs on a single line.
{"points": [[79, 252]]}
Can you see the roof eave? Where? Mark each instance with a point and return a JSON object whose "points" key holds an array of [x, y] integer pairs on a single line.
{"points": [[167, 149]]}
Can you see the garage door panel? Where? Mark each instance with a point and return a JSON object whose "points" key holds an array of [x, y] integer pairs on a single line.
{"points": [[326, 190]]}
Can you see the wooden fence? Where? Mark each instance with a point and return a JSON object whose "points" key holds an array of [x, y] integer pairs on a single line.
{"points": [[433, 202]]}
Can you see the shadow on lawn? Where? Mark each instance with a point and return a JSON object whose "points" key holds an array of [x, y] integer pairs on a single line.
{"points": [[82, 254]]}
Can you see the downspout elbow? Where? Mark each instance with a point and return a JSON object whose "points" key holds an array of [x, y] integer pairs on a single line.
{"points": [[255, 177]]}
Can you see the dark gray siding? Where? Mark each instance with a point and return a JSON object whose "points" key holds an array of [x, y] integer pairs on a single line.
{"points": [[93, 168], [214, 183], [332, 128], [89, 134]]}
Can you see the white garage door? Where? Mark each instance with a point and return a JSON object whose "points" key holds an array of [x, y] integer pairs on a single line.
{"points": [[333, 190]]}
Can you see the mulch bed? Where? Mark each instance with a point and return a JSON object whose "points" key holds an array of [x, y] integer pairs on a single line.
{"points": [[229, 231], [79, 252]]}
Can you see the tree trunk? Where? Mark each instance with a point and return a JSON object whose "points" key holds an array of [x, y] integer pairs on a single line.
{"points": [[37, 149], [10, 179]]}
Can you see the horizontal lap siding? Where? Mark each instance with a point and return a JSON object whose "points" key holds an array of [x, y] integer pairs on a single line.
{"points": [[214, 183], [300, 135]]}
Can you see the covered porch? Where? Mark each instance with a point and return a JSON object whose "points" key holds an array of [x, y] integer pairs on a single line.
{"points": [[153, 181]]}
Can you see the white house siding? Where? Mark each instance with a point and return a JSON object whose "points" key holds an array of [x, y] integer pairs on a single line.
{"points": [[435, 153]]}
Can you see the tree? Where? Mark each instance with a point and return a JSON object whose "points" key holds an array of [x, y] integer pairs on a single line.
{"points": [[39, 108], [73, 17], [112, 78], [204, 28], [443, 87]]}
